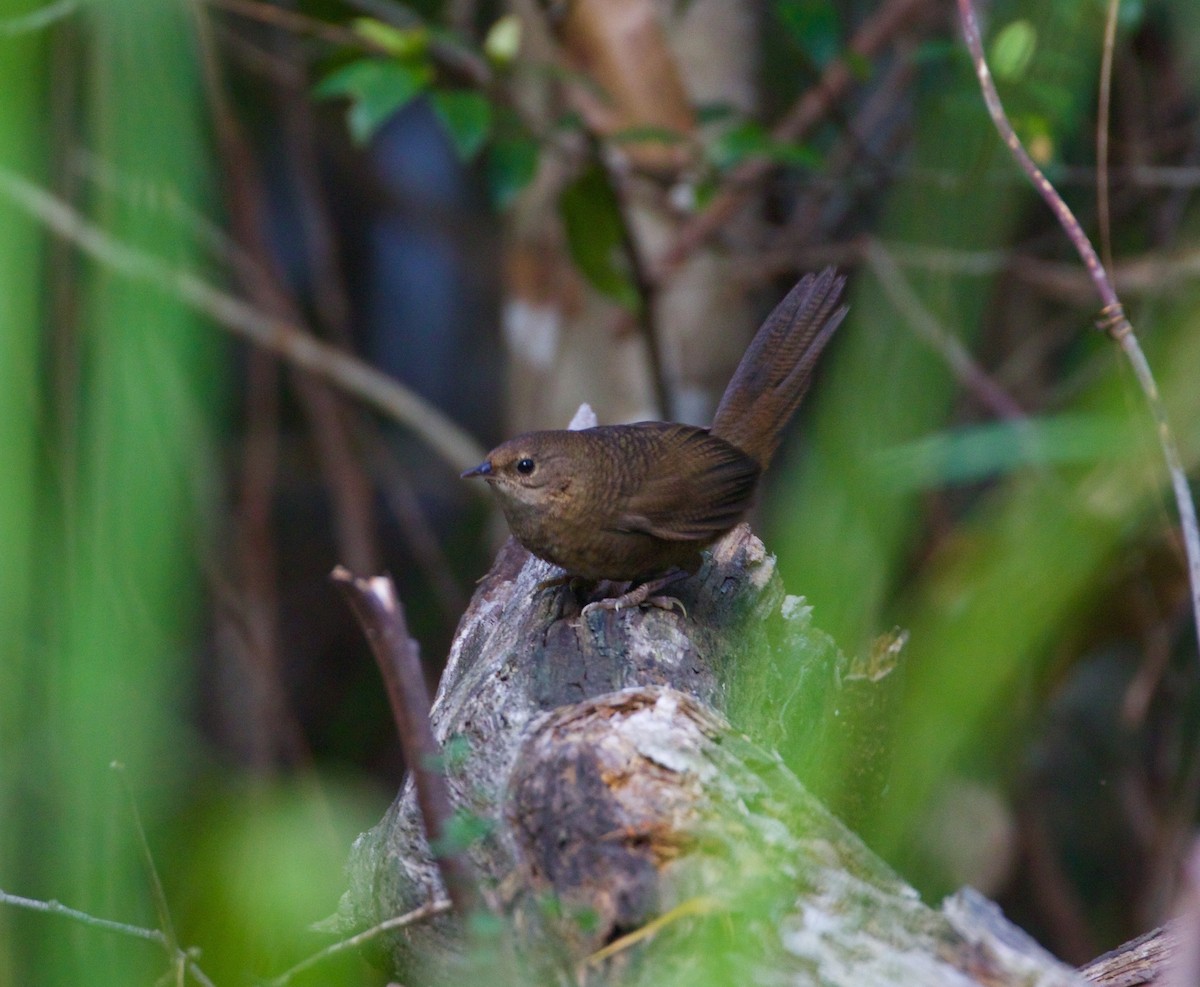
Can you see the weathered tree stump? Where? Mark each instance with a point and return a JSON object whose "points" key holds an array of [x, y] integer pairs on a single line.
{"points": [[600, 753]]}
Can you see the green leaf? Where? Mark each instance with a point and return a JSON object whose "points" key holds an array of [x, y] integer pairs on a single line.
{"points": [[813, 26], [377, 88], [793, 155], [503, 41], [979, 452], [646, 133], [467, 117], [1036, 133], [485, 930], [936, 51], [1013, 49], [714, 112], [738, 143], [704, 192], [510, 166], [859, 65], [455, 752], [570, 122], [595, 236], [345, 81], [453, 755], [749, 140], [405, 43], [462, 829]]}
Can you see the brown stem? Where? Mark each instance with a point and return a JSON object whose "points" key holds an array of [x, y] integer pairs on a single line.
{"points": [[348, 484], [420, 914], [257, 592], [1102, 122], [962, 365], [1112, 314], [290, 20], [377, 607], [645, 286], [857, 151], [415, 526]]}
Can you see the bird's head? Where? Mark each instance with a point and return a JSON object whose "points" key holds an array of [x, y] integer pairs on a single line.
{"points": [[532, 470]]}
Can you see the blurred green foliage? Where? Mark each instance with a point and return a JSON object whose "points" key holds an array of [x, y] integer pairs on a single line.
{"points": [[110, 419], [112, 402], [1031, 556], [118, 492], [21, 116], [595, 236]]}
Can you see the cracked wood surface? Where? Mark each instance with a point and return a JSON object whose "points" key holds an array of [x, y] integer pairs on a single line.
{"points": [[599, 753]]}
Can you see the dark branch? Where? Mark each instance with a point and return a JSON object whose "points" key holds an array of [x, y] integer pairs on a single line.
{"points": [[377, 607]]}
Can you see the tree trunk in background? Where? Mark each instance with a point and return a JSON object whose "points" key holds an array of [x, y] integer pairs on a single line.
{"points": [[651, 63]]}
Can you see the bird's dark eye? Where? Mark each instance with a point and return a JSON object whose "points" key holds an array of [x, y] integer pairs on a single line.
{"points": [[525, 466]]}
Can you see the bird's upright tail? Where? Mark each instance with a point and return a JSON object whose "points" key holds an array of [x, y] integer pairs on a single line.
{"points": [[774, 374]]}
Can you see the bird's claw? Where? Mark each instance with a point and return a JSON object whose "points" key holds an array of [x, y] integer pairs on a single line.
{"points": [[668, 603], [640, 596]]}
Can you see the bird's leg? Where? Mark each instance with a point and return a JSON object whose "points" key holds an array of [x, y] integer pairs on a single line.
{"points": [[576, 586], [642, 594], [556, 582]]}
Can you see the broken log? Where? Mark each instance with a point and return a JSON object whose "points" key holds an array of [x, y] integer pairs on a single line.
{"points": [[605, 793]]}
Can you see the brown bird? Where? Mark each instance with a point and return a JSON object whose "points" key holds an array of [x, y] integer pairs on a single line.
{"points": [[637, 503]]}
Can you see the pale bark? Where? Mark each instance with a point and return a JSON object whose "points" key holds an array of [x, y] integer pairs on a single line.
{"points": [[600, 752]]}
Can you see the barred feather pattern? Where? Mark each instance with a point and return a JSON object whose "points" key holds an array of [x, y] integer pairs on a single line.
{"points": [[774, 374]]}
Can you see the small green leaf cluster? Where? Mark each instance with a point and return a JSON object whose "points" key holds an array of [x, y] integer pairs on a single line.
{"points": [[404, 67], [424, 61]]}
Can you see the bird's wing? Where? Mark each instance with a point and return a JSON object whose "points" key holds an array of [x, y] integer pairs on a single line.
{"points": [[696, 487]]}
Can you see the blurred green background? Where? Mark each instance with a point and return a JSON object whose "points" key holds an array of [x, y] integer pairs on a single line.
{"points": [[171, 500]]}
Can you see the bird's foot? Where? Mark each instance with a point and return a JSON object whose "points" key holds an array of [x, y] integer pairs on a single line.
{"points": [[643, 595], [671, 603]]}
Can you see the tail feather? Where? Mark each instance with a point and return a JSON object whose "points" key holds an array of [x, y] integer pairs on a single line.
{"points": [[775, 371]]}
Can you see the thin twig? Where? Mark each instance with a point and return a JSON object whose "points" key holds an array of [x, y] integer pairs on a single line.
{"points": [[703, 905], [1047, 191], [962, 365], [296, 22], [439, 907], [415, 528], [37, 20], [1151, 272], [868, 145], [170, 940], [377, 607], [107, 925], [346, 371], [1112, 314], [1102, 124], [255, 568], [645, 286], [271, 722]]}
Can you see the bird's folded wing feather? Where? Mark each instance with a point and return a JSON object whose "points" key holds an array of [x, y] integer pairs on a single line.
{"points": [[703, 488]]}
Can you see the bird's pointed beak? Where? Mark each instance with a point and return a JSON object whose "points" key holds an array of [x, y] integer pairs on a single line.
{"points": [[483, 469]]}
